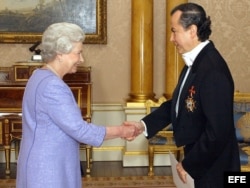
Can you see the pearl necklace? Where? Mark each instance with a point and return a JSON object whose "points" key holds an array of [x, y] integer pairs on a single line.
{"points": [[52, 70]]}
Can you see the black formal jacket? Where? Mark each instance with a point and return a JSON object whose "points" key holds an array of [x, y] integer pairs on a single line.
{"points": [[204, 125]]}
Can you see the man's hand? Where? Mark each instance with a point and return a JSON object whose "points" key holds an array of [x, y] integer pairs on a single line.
{"points": [[139, 128], [181, 172]]}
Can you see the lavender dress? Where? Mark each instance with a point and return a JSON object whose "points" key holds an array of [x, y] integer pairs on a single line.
{"points": [[52, 130]]}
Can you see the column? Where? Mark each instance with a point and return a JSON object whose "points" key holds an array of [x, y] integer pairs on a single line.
{"points": [[135, 153], [174, 62], [141, 51]]}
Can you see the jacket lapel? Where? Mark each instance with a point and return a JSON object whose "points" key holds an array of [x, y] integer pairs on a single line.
{"points": [[177, 89]]}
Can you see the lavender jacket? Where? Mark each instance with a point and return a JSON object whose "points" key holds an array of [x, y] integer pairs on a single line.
{"points": [[53, 128]]}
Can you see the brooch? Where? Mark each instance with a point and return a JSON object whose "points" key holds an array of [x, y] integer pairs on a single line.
{"points": [[190, 102]]}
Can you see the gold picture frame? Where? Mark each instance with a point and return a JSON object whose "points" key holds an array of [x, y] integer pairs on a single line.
{"points": [[18, 30]]}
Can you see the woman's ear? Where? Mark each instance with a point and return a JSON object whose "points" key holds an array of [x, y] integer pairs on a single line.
{"points": [[59, 57]]}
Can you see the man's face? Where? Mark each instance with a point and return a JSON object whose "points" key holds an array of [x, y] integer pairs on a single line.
{"points": [[182, 38]]}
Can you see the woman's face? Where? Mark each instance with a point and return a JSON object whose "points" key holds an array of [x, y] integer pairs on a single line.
{"points": [[73, 59]]}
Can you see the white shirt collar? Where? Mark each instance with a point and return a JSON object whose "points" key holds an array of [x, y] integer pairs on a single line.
{"points": [[189, 57]]}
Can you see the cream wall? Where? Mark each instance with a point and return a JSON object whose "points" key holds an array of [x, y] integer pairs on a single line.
{"points": [[231, 34], [111, 63]]}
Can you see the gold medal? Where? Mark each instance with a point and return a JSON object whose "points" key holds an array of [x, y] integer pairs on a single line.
{"points": [[190, 102]]}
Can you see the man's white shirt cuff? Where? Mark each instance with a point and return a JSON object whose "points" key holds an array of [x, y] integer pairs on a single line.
{"points": [[145, 132]]}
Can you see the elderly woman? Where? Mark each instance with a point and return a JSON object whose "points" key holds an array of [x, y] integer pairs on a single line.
{"points": [[52, 122]]}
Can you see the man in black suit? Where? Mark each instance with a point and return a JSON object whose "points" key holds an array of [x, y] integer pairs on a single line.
{"points": [[201, 108]]}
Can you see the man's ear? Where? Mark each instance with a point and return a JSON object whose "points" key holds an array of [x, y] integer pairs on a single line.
{"points": [[193, 30]]}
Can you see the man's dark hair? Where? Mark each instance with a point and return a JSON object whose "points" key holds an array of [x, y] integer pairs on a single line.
{"points": [[193, 14]]}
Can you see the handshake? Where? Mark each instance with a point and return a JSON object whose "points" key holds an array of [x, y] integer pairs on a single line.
{"points": [[131, 129]]}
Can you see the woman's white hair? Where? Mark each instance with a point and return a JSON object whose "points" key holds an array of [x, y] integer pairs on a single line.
{"points": [[59, 38]]}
